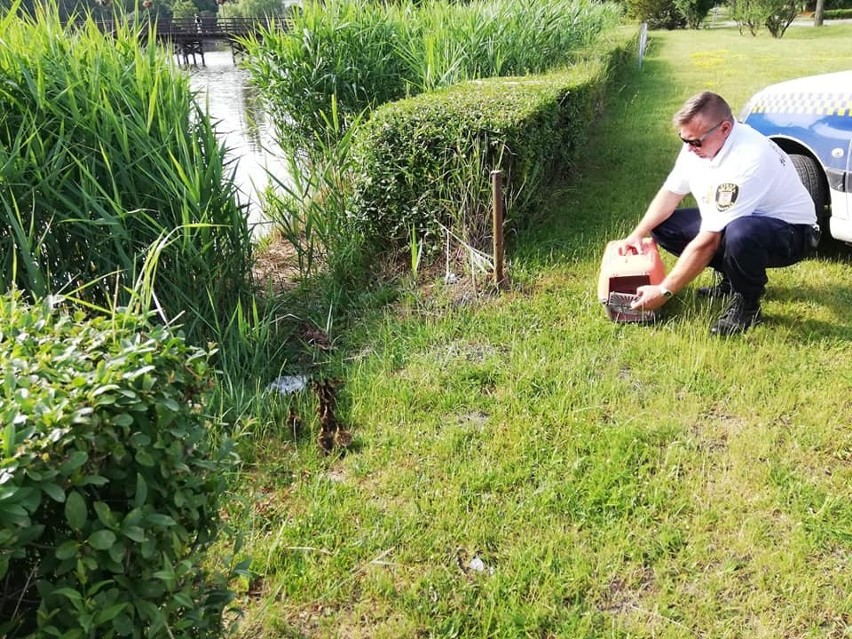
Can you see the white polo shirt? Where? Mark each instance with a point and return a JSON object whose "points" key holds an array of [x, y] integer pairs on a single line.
{"points": [[749, 175]]}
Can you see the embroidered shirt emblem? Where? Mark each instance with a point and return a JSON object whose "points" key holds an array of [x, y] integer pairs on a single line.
{"points": [[726, 195]]}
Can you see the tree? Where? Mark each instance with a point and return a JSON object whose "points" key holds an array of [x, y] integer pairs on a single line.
{"points": [[819, 12], [695, 11], [775, 15], [781, 16], [747, 15], [184, 9], [252, 9], [659, 14]]}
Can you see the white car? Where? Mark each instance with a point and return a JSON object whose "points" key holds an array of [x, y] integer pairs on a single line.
{"points": [[811, 119]]}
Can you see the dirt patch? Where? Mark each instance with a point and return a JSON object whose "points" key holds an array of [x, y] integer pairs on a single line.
{"points": [[715, 429], [439, 283], [276, 265], [625, 593]]}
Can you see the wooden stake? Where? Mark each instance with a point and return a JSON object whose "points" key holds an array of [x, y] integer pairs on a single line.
{"points": [[497, 224]]}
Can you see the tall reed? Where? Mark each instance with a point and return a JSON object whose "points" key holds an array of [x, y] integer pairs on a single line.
{"points": [[310, 208], [104, 154], [344, 50], [366, 53]]}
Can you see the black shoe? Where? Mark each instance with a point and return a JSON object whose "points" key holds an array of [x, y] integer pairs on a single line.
{"points": [[722, 288], [740, 316]]}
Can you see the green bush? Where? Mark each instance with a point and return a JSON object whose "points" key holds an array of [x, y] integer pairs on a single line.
{"points": [[425, 161], [659, 14], [810, 5], [780, 16], [251, 9], [748, 14], [695, 11], [109, 484], [775, 15], [838, 14]]}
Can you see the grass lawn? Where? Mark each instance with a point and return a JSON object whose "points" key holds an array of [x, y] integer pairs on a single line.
{"points": [[522, 467]]}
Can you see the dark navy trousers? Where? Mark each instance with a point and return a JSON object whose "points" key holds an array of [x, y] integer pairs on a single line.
{"points": [[749, 246]]}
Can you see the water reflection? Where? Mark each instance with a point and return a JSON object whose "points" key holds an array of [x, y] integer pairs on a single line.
{"points": [[246, 129]]}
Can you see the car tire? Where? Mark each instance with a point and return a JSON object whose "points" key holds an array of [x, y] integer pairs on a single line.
{"points": [[811, 175]]}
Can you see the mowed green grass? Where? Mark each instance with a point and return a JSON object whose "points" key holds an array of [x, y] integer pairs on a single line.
{"points": [[523, 467]]}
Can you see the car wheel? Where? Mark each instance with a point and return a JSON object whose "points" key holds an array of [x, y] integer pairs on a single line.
{"points": [[811, 175]]}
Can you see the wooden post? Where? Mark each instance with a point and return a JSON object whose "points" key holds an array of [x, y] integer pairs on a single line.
{"points": [[497, 225]]}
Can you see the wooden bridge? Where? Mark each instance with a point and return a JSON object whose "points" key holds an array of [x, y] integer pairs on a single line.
{"points": [[188, 36]]}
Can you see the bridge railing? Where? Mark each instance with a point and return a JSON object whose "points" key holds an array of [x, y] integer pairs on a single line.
{"points": [[202, 27], [211, 27]]}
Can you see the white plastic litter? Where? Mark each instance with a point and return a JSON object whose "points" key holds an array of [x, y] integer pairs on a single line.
{"points": [[476, 564], [288, 384]]}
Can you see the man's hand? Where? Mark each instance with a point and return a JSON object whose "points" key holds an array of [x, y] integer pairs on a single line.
{"points": [[630, 244], [649, 298]]}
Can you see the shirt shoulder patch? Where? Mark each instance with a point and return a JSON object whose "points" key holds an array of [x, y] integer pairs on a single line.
{"points": [[726, 195]]}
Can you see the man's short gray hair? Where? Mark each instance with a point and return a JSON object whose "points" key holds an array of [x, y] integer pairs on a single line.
{"points": [[705, 103]]}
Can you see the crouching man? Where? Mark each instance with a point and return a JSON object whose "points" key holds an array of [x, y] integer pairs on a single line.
{"points": [[753, 213]]}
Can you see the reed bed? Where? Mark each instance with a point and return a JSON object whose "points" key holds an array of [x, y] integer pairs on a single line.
{"points": [[113, 180], [364, 54]]}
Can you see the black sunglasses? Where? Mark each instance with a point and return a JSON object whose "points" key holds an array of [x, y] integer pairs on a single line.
{"points": [[697, 142]]}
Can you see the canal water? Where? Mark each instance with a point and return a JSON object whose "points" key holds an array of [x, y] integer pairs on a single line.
{"points": [[246, 129]]}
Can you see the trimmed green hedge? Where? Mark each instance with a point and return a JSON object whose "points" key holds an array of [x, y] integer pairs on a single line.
{"points": [[425, 161], [109, 484], [838, 14]]}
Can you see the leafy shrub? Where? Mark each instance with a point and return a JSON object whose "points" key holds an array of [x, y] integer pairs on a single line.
{"points": [[659, 14], [748, 14], [775, 15], [414, 153], [109, 484], [694, 11], [251, 9], [425, 161], [838, 14], [780, 15]]}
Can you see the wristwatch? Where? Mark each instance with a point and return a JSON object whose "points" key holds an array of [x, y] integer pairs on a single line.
{"points": [[665, 292]]}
